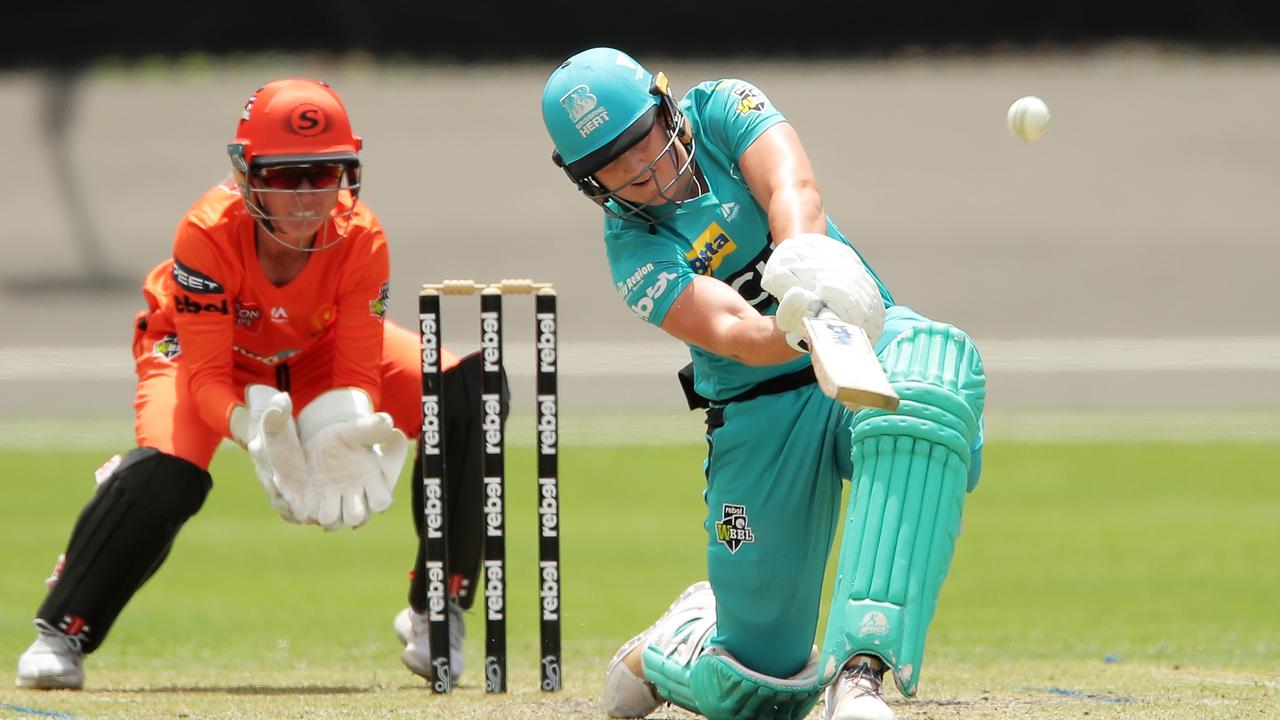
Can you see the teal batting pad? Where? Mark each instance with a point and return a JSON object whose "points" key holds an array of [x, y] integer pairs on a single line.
{"points": [[911, 471]]}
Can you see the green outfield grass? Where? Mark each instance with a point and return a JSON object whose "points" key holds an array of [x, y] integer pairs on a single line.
{"points": [[1113, 580]]}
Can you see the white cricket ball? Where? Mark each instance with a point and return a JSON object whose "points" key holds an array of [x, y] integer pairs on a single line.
{"points": [[1028, 118]]}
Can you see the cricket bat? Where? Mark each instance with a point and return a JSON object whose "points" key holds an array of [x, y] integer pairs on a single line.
{"points": [[846, 364]]}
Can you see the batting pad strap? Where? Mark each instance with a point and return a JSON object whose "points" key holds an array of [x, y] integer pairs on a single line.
{"points": [[727, 690], [911, 470]]}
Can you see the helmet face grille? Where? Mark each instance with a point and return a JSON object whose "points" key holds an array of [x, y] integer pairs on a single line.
{"points": [[671, 194]]}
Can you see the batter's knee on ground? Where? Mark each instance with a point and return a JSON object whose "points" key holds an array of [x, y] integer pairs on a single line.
{"points": [[725, 689], [120, 539], [766, 622]]}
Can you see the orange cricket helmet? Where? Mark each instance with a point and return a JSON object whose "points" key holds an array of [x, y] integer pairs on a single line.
{"points": [[292, 122]]}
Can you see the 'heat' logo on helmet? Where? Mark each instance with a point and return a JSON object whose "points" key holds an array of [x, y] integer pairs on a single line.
{"points": [[307, 120], [584, 109], [578, 102]]}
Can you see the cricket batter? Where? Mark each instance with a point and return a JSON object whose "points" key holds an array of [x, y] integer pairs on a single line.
{"points": [[715, 232], [266, 326]]}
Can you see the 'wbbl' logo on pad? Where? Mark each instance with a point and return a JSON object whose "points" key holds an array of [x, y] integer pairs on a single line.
{"points": [[732, 531]]}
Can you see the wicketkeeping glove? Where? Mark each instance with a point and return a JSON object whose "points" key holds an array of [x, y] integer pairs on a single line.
{"points": [[264, 426], [353, 456]]}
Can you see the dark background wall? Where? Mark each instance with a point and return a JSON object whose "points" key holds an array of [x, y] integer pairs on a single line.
{"points": [[77, 32]]}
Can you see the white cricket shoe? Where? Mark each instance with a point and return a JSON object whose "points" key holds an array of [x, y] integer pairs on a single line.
{"points": [[855, 694], [414, 633], [53, 662], [681, 631]]}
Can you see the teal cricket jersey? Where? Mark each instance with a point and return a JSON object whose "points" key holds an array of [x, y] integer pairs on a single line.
{"points": [[723, 233]]}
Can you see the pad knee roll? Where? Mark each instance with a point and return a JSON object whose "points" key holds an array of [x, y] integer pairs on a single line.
{"points": [[120, 539], [714, 684]]}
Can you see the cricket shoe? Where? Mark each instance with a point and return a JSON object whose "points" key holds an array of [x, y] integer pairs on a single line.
{"points": [[414, 633], [53, 662], [856, 694], [681, 632]]}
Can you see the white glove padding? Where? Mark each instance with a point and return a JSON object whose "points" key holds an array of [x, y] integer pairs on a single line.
{"points": [[265, 427], [831, 270], [797, 304], [354, 457]]}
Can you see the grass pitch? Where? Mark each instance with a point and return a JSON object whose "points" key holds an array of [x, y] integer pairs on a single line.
{"points": [[1098, 580]]}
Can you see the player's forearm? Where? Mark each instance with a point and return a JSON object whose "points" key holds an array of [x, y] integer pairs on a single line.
{"points": [[755, 341], [796, 209]]}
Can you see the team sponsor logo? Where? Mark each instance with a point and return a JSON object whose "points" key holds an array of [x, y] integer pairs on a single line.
{"points": [[626, 286], [493, 512], [546, 345], [549, 507], [491, 425], [732, 530], [167, 347], [378, 305], [279, 316], [874, 623], [494, 588], [430, 353], [729, 210], [431, 426], [433, 513], [435, 591], [268, 360], [308, 120], [750, 99], [490, 341], [550, 589], [644, 306], [550, 673], [746, 282], [248, 316], [186, 305], [547, 425], [709, 250], [584, 109], [194, 280]]}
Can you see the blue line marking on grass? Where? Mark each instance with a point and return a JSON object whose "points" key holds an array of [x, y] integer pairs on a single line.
{"points": [[1067, 692], [36, 711]]}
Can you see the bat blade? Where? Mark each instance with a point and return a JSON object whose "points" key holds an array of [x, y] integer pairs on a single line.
{"points": [[846, 365]]}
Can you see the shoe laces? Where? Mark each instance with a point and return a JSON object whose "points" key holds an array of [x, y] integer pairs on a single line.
{"points": [[862, 679], [57, 641]]}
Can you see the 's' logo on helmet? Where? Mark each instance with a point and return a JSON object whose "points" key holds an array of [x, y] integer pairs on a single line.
{"points": [[307, 120], [578, 102]]}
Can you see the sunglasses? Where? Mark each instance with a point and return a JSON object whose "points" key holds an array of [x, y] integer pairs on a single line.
{"points": [[320, 177]]}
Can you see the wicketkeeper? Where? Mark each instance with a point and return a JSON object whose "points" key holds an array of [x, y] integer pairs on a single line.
{"points": [[715, 232], [266, 326]]}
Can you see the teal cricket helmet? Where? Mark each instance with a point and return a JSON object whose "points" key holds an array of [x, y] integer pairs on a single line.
{"points": [[596, 106], [599, 104]]}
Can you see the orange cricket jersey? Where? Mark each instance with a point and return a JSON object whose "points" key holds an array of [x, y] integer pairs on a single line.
{"points": [[214, 296]]}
